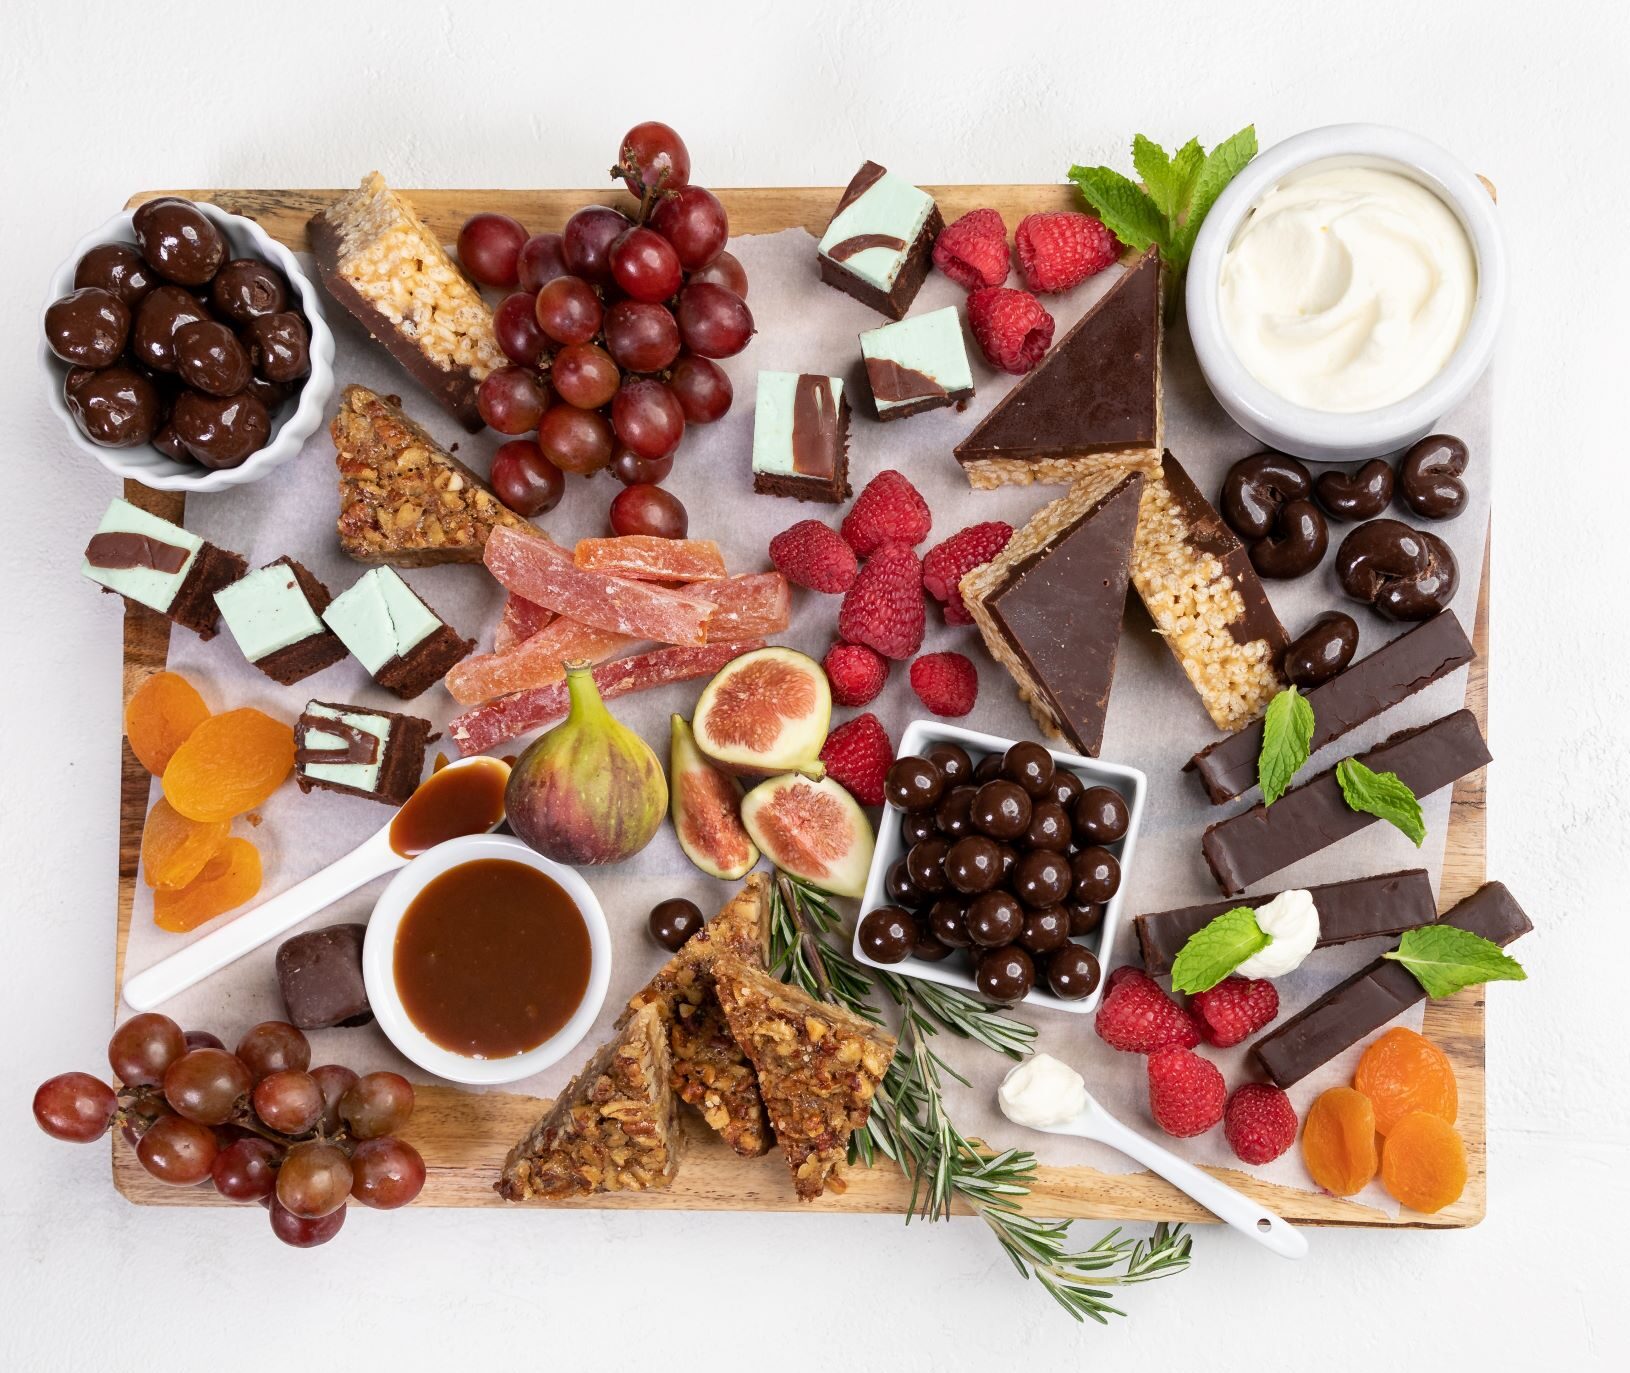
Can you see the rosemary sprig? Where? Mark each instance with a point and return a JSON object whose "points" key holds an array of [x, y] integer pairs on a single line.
{"points": [[909, 1126]]}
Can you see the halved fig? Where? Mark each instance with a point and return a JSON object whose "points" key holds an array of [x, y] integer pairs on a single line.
{"points": [[766, 711], [812, 829], [706, 808]]}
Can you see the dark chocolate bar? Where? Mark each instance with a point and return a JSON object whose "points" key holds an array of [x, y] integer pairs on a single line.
{"points": [[1370, 686], [1362, 908], [1375, 994], [1260, 841]]}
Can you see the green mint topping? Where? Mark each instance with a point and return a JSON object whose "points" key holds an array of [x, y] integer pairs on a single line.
{"points": [[1287, 734], [1216, 949], [1381, 794], [1444, 959]]}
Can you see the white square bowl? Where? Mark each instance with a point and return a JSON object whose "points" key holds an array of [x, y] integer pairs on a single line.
{"points": [[919, 737]]}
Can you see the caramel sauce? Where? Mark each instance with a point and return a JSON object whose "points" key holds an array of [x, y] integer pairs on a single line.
{"points": [[449, 804], [491, 958]]}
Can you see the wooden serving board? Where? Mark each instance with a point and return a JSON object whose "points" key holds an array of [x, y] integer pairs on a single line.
{"points": [[464, 1136]]}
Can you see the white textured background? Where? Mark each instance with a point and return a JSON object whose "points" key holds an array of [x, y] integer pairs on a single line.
{"points": [[97, 101]]}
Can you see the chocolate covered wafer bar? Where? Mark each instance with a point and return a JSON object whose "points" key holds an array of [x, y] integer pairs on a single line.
{"points": [[1204, 596], [1363, 908], [1375, 994], [1370, 686], [1260, 841]]}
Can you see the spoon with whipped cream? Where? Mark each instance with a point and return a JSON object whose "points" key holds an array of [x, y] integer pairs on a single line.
{"points": [[1045, 1094]]}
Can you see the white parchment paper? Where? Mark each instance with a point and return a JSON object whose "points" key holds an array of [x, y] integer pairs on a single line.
{"points": [[1155, 720]]}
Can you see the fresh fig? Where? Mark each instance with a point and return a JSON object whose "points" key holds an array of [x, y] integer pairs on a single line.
{"points": [[766, 711], [812, 829], [589, 790], [706, 804]]}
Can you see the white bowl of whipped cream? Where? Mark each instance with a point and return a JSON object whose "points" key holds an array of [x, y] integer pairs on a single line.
{"points": [[1345, 291]]}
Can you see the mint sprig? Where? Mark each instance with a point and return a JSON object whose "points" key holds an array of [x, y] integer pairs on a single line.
{"points": [[1178, 191], [1445, 958], [1381, 794], [1287, 735], [1216, 949]]}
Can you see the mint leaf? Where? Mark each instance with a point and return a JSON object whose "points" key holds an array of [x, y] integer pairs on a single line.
{"points": [[1128, 214], [1287, 734], [1223, 163], [1216, 949], [1186, 164], [1445, 958], [1150, 161], [1383, 795]]}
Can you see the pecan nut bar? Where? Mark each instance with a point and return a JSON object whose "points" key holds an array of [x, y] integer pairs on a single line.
{"points": [[614, 1128], [710, 1071], [818, 1065]]}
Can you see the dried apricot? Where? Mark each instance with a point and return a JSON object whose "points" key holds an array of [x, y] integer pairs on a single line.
{"points": [[1403, 1072], [1338, 1141], [160, 717], [174, 849], [229, 879], [231, 763], [1423, 1162]]}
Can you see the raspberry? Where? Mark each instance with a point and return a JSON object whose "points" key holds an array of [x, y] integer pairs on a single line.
{"points": [[1012, 328], [1186, 1092], [1234, 1009], [888, 510], [1260, 1123], [973, 251], [948, 562], [884, 608], [946, 683], [1062, 248], [1125, 973], [809, 554], [857, 674], [857, 754], [1136, 1017]]}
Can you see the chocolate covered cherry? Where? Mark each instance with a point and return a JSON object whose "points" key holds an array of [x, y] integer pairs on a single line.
{"points": [[115, 407], [1072, 972], [913, 784], [117, 268], [674, 921], [221, 431], [279, 346], [1005, 975], [209, 357], [159, 318], [1324, 649], [247, 288], [179, 241], [87, 327], [1100, 816], [1429, 477], [887, 935]]}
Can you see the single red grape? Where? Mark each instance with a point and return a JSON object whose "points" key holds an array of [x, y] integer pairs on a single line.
{"points": [[585, 242], [273, 1046], [526, 481], [205, 1085], [377, 1104], [304, 1234], [653, 156], [650, 510], [575, 440], [693, 220], [515, 324], [290, 1102], [724, 271], [203, 1039], [386, 1173], [143, 1047], [246, 1170], [631, 469], [584, 375], [647, 418], [644, 264], [335, 1080], [703, 388], [568, 310], [178, 1151], [489, 246], [540, 260], [75, 1107], [314, 1180], [512, 400], [713, 321], [641, 337]]}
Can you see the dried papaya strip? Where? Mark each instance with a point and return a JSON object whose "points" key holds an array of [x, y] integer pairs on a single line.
{"points": [[521, 620], [535, 662], [645, 557], [748, 606]]}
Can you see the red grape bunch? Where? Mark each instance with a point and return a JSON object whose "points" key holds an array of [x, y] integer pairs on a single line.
{"points": [[259, 1124], [612, 331]]}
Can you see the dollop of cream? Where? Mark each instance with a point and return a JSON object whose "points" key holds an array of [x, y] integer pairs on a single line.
{"points": [[1291, 922], [1042, 1091], [1347, 287]]}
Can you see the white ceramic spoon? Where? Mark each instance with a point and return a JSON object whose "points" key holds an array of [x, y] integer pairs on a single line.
{"points": [[203, 957], [1232, 1207]]}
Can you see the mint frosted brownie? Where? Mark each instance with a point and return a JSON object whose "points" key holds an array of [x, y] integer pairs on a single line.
{"points": [[801, 437], [879, 241], [401, 641], [275, 614], [361, 752], [918, 364], [154, 563]]}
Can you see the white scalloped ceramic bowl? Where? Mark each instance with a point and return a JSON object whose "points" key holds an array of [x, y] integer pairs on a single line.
{"points": [[291, 427], [1321, 435]]}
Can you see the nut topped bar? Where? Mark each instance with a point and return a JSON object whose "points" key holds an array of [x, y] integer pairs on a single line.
{"points": [[380, 261], [614, 1129], [879, 242]]}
